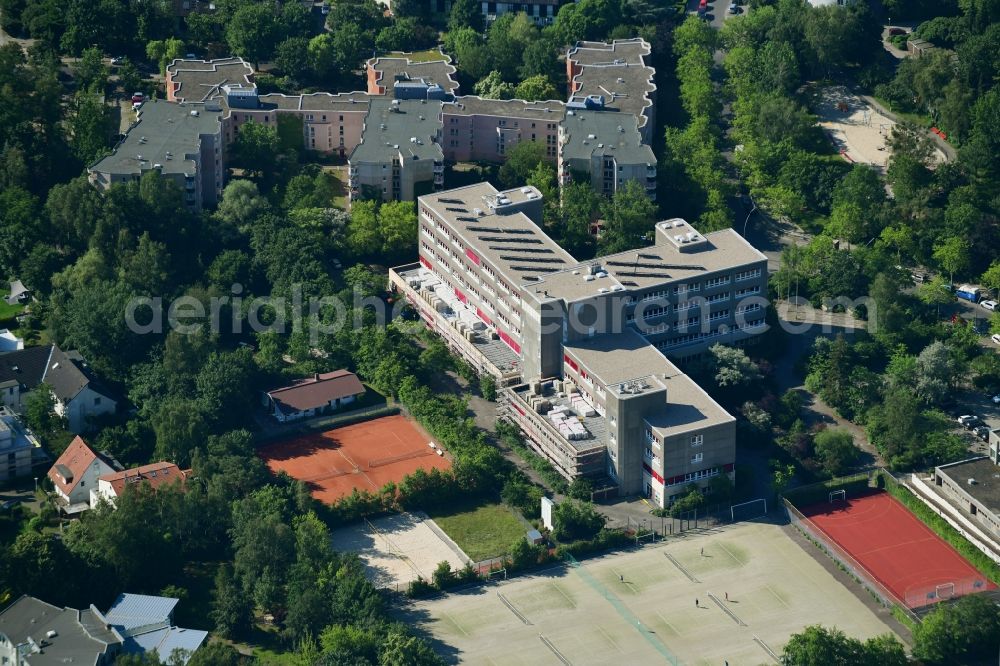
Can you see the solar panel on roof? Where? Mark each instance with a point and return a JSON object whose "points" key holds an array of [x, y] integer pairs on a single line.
{"points": [[494, 239], [535, 269], [533, 250], [544, 260]]}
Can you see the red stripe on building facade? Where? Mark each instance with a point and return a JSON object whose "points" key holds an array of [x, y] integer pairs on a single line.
{"points": [[462, 297], [482, 315], [473, 257], [653, 473]]}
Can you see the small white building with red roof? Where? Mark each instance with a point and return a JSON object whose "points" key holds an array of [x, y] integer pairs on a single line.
{"points": [[76, 472], [311, 396]]}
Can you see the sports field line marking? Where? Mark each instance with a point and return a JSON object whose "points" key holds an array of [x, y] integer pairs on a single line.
{"points": [[725, 609], [726, 550], [682, 569], [513, 610], [457, 625], [556, 652], [775, 595], [766, 648], [631, 586], [608, 636], [564, 595], [667, 622]]}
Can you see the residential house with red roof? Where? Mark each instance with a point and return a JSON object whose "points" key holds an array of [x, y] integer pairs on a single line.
{"points": [[77, 471], [155, 475], [311, 396]]}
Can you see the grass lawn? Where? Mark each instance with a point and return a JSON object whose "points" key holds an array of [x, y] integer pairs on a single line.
{"points": [[9, 311], [417, 56], [340, 185], [482, 532]]}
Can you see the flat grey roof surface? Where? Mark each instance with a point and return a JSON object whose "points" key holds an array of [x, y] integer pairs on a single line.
{"points": [[32, 617], [616, 134], [626, 357], [511, 242], [432, 71], [628, 50], [200, 79], [552, 111], [389, 131], [163, 127], [987, 475], [625, 86]]}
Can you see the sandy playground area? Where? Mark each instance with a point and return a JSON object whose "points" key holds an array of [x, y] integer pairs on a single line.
{"points": [[858, 130], [588, 615]]}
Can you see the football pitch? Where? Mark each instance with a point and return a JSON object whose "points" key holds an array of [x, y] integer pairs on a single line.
{"points": [[640, 607]]}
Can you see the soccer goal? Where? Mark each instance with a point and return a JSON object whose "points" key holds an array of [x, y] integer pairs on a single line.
{"points": [[945, 591], [748, 510], [838, 495], [648, 537]]}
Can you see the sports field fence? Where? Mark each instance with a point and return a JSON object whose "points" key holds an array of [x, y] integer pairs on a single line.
{"points": [[885, 596]]}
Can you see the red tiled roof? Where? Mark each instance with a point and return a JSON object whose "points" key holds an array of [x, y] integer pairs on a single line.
{"points": [[316, 391], [155, 474], [71, 465]]}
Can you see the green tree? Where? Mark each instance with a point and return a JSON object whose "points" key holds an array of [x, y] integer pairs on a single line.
{"points": [[230, 607], [522, 160], [574, 520], [292, 57], [835, 450], [537, 87], [164, 51], [953, 255], [781, 476], [465, 14], [628, 218], [91, 70], [732, 367], [967, 631], [40, 410], [253, 32], [91, 127], [819, 646], [255, 148], [492, 86], [991, 279]]}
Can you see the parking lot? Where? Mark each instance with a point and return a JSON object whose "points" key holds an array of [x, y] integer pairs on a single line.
{"points": [[978, 404]]}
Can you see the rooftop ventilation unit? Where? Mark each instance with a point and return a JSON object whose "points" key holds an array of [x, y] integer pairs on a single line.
{"points": [[194, 112], [591, 136]]}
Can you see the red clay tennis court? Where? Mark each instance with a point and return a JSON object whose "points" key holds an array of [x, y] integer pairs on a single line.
{"points": [[897, 549], [364, 455]]}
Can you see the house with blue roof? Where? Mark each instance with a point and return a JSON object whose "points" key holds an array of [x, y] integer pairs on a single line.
{"points": [[146, 623]]}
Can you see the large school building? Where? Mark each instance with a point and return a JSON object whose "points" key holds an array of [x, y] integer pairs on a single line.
{"points": [[581, 349]]}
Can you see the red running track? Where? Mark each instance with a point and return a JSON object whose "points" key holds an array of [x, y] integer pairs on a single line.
{"points": [[896, 548]]}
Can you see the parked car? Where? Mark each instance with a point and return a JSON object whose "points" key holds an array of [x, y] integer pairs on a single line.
{"points": [[734, 8], [995, 338], [996, 399], [138, 98], [989, 305], [967, 419], [982, 432], [117, 60]]}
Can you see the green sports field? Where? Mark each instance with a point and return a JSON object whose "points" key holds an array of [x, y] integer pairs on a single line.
{"points": [[589, 615]]}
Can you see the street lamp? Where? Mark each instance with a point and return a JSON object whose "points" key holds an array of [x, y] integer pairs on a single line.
{"points": [[36, 484], [747, 221]]}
